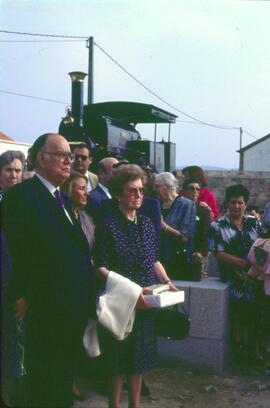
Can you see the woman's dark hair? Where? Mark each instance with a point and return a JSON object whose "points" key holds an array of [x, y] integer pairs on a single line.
{"points": [[121, 175], [10, 155], [189, 181], [196, 172], [237, 190]]}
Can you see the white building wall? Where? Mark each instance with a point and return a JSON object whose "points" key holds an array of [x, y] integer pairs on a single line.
{"points": [[11, 145], [257, 158]]}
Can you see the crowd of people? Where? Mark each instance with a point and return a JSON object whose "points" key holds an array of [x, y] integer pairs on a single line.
{"points": [[69, 234]]}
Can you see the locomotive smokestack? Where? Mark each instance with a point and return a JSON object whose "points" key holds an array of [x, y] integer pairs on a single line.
{"points": [[77, 79]]}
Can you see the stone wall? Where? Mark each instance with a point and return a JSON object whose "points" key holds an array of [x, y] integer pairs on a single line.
{"points": [[258, 184]]}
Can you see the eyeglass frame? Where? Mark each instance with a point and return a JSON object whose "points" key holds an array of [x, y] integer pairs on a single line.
{"points": [[61, 156], [133, 191]]}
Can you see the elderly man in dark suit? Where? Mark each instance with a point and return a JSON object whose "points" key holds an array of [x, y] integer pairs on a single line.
{"points": [[51, 276], [101, 192]]}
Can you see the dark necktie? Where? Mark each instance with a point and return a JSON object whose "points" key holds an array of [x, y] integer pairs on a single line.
{"points": [[59, 200]]}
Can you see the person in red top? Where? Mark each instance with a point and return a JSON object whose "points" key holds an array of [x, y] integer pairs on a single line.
{"points": [[205, 196]]}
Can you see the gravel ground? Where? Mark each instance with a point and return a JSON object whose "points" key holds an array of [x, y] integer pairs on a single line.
{"points": [[179, 386]]}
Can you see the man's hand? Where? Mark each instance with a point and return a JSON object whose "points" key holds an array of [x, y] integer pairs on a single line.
{"points": [[20, 308]]}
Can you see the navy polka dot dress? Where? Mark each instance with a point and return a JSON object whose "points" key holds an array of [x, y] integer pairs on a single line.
{"points": [[130, 249]]}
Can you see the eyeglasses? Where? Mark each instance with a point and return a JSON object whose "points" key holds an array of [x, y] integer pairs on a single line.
{"points": [[191, 188], [136, 191], [61, 156], [80, 157]]}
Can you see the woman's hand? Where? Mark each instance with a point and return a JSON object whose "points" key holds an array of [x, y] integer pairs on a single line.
{"points": [[205, 205], [103, 273], [244, 264], [141, 302], [183, 238], [197, 257], [20, 308], [172, 287], [172, 231]]}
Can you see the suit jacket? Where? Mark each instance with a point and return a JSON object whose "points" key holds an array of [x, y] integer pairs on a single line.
{"points": [[94, 200], [50, 258], [93, 178]]}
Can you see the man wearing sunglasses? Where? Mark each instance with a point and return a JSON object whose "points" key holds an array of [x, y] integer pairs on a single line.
{"points": [[82, 161]]}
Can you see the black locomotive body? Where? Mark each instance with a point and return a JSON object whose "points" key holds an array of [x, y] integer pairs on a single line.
{"points": [[110, 129]]}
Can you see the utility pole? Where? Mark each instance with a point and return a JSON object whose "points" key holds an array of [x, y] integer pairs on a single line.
{"points": [[155, 145], [241, 164], [90, 46]]}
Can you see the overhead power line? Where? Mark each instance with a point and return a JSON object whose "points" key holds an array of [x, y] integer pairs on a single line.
{"points": [[33, 97], [250, 134], [67, 103], [160, 98], [197, 121], [188, 122], [43, 35], [40, 41]]}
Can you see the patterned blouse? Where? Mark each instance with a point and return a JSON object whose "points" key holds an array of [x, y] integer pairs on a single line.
{"points": [[127, 248], [226, 237]]}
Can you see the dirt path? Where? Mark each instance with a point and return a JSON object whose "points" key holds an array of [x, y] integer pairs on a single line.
{"points": [[177, 386]]}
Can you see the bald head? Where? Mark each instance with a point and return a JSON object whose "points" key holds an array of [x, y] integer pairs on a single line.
{"points": [[104, 169], [52, 158]]}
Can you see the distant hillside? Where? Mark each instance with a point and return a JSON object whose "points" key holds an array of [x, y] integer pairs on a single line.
{"points": [[207, 167]]}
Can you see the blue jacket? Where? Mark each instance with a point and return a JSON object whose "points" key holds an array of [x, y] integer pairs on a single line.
{"points": [[95, 198], [182, 216]]}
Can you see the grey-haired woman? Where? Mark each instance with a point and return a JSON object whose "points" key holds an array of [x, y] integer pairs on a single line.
{"points": [[177, 226]]}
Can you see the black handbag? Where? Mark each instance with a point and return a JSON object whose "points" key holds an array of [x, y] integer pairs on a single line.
{"points": [[172, 324]]}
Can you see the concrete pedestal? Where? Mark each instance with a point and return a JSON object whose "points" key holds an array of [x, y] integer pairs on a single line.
{"points": [[207, 343]]}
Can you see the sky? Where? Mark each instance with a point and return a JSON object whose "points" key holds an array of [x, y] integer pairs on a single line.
{"points": [[208, 59]]}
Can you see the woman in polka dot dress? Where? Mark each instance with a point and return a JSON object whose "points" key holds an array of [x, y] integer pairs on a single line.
{"points": [[126, 244]]}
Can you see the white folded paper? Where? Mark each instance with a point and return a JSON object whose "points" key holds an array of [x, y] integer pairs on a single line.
{"points": [[164, 299]]}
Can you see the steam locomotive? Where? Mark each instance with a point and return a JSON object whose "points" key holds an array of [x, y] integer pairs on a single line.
{"points": [[109, 128]]}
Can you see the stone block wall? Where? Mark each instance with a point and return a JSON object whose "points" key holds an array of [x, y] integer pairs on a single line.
{"points": [[207, 343], [257, 182]]}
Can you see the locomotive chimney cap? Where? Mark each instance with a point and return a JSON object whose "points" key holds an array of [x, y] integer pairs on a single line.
{"points": [[77, 76]]}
